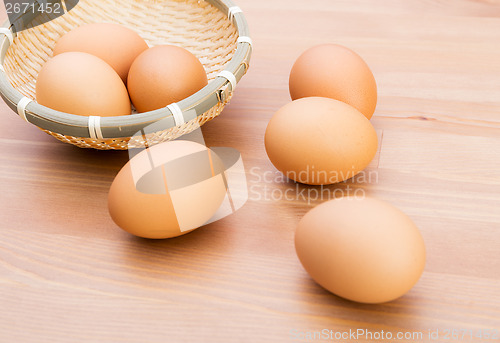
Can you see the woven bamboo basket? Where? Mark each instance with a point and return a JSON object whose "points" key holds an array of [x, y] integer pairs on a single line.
{"points": [[215, 31]]}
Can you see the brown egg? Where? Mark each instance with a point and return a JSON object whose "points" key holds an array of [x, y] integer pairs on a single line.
{"points": [[162, 75], [320, 141], [167, 190], [336, 72], [115, 44], [361, 249], [83, 84]]}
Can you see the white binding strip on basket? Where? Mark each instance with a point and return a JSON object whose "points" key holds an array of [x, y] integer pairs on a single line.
{"points": [[232, 11], [245, 39], [63, 3], [21, 107], [2, 68], [8, 33], [177, 113], [230, 77], [95, 127]]}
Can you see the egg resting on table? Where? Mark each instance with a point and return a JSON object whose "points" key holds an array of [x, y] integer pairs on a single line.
{"points": [[167, 190], [336, 72], [320, 141], [361, 248]]}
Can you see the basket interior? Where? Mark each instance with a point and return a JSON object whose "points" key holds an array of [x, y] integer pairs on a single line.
{"points": [[195, 25]]}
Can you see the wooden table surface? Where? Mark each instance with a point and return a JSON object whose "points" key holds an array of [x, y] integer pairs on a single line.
{"points": [[69, 274]]}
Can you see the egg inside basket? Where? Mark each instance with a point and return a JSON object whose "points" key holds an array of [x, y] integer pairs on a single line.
{"points": [[215, 31]]}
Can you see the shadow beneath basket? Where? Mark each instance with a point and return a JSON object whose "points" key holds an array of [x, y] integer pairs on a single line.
{"points": [[114, 159]]}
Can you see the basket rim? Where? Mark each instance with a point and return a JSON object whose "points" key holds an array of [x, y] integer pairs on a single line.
{"points": [[218, 90]]}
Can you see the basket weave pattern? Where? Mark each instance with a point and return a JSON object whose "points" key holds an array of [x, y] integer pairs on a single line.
{"points": [[195, 25]]}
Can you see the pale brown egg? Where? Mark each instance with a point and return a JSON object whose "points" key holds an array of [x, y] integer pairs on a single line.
{"points": [[361, 249], [320, 141], [82, 84], [163, 75], [336, 72], [115, 44], [167, 190]]}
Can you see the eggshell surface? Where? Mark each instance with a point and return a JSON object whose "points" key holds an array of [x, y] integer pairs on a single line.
{"points": [[336, 72], [163, 75], [115, 44], [152, 200], [320, 141], [361, 249], [82, 84]]}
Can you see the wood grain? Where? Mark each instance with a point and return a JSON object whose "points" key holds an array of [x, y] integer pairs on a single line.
{"points": [[68, 274]]}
